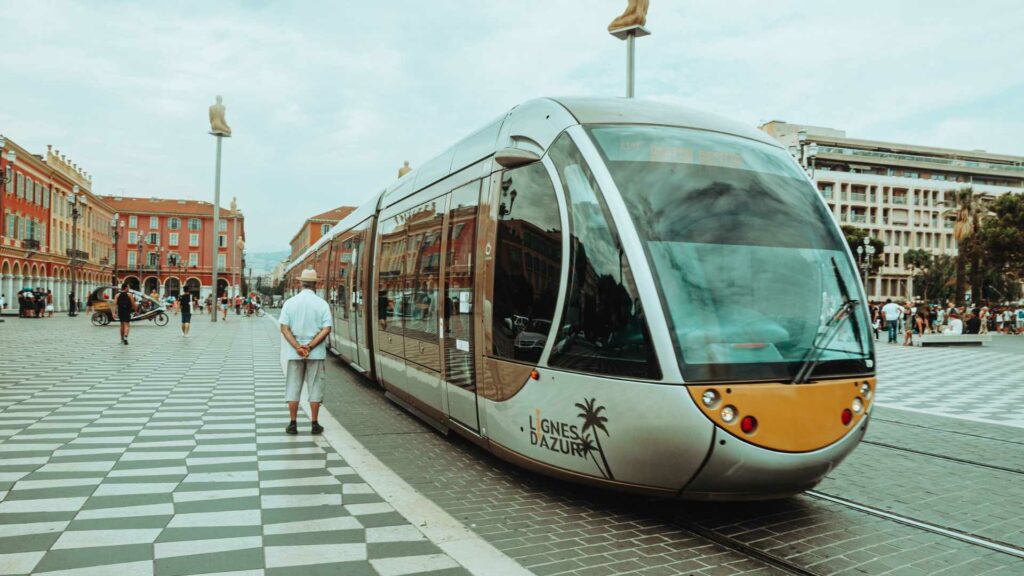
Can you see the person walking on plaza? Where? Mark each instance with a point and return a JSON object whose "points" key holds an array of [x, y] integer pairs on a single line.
{"points": [[305, 323], [224, 307], [185, 304], [891, 313], [125, 308]]}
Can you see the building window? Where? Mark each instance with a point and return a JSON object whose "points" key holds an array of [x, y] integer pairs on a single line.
{"points": [[153, 238], [46, 197], [9, 181], [193, 239], [19, 185], [220, 261], [193, 259], [133, 237], [194, 224], [172, 238], [133, 221], [325, 228], [154, 222], [131, 258], [222, 241], [173, 259], [174, 223]]}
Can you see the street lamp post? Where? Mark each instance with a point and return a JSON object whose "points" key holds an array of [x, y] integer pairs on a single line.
{"points": [[75, 200], [138, 260], [236, 249], [116, 228], [865, 253]]}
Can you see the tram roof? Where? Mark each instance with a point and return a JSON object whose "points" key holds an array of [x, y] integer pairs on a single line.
{"points": [[632, 111], [493, 136]]}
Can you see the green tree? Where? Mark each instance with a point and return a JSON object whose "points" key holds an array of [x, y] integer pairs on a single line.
{"points": [[855, 237], [1002, 240], [969, 209], [917, 259], [937, 281]]}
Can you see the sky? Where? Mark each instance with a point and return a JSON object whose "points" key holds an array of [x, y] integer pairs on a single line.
{"points": [[326, 99]]}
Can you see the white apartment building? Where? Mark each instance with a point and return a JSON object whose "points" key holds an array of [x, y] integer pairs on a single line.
{"points": [[895, 191]]}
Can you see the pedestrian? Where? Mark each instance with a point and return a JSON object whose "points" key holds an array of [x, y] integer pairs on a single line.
{"points": [[238, 305], [956, 326], [72, 307], [40, 304], [908, 325], [891, 313], [195, 303], [305, 324], [185, 304], [224, 306], [126, 306], [49, 303]]}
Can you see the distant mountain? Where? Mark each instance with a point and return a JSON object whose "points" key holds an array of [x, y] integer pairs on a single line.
{"points": [[264, 262]]}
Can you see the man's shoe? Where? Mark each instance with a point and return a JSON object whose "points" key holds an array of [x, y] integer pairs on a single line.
{"points": [[317, 429], [292, 429]]}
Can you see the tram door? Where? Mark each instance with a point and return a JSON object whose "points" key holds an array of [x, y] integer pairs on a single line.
{"points": [[459, 303]]}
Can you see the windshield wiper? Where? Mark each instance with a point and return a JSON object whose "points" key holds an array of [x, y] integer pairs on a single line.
{"points": [[823, 339]]}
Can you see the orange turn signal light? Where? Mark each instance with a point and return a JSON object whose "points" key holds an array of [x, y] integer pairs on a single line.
{"points": [[534, 374]]}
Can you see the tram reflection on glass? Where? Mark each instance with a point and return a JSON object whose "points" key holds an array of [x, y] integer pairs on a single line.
{"points": [[620, 293]]}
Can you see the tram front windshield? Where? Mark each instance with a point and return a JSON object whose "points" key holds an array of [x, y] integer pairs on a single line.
{"points": [[748, 263]]}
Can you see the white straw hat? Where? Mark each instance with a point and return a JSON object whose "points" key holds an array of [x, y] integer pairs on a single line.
{"points": [[308, 275]]}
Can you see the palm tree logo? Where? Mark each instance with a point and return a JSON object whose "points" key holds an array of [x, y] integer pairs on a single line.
{"points": [[594, 422]]}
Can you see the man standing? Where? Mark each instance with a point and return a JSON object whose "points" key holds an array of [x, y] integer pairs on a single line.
{"points": [[185, 303], [305, 323], [125, 308], [891, 312]]}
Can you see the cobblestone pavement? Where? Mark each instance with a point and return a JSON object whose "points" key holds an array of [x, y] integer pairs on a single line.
{"points": [[106, 414], [168, 457], [980, 384]]}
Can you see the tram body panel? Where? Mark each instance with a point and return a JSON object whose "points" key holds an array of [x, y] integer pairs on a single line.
{"points": [[614, 430]]}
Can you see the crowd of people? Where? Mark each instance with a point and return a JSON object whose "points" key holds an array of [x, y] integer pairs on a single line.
{"points": [[32, 303], [917, 319]]}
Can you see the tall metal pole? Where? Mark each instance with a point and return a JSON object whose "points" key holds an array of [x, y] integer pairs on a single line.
{"points": [[216, 228], [630, 65], [73, 300], [630, 34]]}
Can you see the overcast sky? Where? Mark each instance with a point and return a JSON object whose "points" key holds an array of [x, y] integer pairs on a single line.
{"points": [[326, 99]]}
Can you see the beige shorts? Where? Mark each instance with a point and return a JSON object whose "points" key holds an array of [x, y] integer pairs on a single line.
{"points": [[301, 372]]}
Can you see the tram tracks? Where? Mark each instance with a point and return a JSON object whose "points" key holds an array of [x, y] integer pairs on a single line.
{"points": [[942, 457], [993, 545]]}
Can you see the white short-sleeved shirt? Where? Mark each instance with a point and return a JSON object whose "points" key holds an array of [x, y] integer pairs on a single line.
{"points": [[305, 314], [892, 311]]}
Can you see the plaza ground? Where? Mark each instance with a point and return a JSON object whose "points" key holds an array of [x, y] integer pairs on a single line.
{"points": [[168, 456]]}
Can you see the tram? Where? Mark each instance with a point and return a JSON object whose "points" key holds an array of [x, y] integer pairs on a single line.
{"points": [[619, 293]]}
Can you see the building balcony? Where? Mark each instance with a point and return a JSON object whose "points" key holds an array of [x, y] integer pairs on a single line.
{"points": [[78, 254], [858, 218], [899, 199], [30, 244], [858, 197], [947, 225]]}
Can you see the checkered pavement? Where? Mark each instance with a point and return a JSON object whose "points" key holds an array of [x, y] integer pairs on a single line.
{"points": [[168, 457], [978, 384]]}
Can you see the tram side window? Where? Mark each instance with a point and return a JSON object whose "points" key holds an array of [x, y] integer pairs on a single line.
{"points": [[423, 272], [603, 329], [389, 275], [528, 262]]}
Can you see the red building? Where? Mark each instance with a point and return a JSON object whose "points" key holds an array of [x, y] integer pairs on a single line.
{"points": [[38, 235], [315, 227], [165, 245]]}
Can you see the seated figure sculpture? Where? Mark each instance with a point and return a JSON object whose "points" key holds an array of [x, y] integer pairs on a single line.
{"points": [[635, 15], [218, 125]]}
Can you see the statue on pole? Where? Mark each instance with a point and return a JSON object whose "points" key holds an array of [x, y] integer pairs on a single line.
{"points": [[218, 125], [405, 169], [635, 15]]}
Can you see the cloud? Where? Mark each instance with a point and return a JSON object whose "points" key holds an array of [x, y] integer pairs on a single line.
{"points": [[328, 98]]}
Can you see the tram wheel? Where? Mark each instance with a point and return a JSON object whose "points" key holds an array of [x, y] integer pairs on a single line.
{"points": [[161, 319]]}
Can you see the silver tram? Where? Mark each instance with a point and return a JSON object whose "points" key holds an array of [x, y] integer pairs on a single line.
{"points": [[620, 293]]}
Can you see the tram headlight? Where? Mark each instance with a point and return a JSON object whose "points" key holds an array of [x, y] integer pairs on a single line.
{"points": [[865, 389], [858, 405], [729, 414], [709, 398]]}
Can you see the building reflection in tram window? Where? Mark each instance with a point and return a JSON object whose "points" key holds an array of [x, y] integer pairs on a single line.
{"points": [[458, 297], [528, 262], [603, 329], [421, 282], [390, 274]]}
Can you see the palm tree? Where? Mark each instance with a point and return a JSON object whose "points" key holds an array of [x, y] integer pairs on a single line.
{"points": [[592, 420], [969, 209]]}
